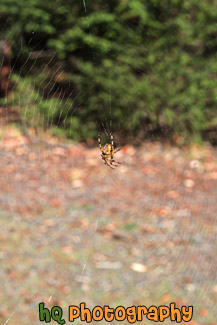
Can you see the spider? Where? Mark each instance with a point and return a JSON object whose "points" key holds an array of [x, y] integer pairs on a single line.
{"points": [[108, 151]]}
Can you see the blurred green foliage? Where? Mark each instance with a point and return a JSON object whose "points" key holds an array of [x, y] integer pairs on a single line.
{"points": [[145, 64]]}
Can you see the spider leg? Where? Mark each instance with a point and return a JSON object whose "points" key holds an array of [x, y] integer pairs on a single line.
{"points": [[99, 141], [105, 157], [116, 150], [112, 139], [112, 143], [106, 161], [107, 164], [115, 163]]}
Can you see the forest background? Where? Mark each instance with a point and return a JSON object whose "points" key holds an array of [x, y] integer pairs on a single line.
{"points": [[148, 66]]}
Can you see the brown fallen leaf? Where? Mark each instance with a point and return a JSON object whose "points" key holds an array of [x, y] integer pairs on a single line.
{"points": [[67, 249], [173, 194], [166, 298], [203, 312], [56, 202]]}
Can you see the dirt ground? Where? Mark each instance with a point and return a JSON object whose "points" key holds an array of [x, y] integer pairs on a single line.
{"points": [[73, 230]]}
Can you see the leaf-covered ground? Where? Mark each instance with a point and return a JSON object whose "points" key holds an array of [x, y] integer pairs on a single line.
{"points": [[73, 230]]}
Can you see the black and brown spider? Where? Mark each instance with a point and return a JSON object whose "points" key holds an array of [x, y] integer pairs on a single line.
{"points": [[108, 151]]}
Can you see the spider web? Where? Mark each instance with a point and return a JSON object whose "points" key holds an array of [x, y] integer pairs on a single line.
{"points": [[129, 237]]}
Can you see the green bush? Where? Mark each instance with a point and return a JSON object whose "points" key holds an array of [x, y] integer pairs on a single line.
{"points": [[144, 64]]}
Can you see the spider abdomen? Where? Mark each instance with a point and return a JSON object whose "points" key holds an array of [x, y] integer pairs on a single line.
{"points": [[108, 149]]}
